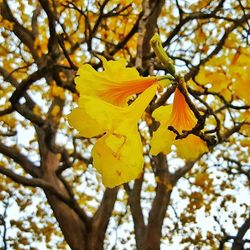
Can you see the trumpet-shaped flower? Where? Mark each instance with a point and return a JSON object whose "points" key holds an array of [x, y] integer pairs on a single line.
{"points": [[115, 85], [103, 109], [118, 154], [180, 116]]}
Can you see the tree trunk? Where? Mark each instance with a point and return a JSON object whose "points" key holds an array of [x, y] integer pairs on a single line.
{"points": [[156, 218], [99, 222], [73, 228]]}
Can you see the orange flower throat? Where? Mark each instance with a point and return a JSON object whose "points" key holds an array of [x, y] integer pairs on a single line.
{"points": [[118, 94], [182, 117]]}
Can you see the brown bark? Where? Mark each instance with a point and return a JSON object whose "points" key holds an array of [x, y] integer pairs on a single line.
{"points": [[156, 217], [147, 28], [72, 223], [73, 228], [160, 204], [136, 211], [100, 220], [148, 236], [79, 231]]}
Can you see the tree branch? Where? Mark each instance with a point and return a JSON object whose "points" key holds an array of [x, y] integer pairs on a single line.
{"points": [[23, 161], [146, 29], [101, 218], [25, 84], [136, 211], [238, 242], [21, 32], [161, 201], [238, 22]]}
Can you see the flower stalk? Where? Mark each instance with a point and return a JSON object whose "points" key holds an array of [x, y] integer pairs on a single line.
{"points": [[155, 43]]}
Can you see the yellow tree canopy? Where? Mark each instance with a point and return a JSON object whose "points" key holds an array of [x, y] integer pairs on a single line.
{"points": [[113, 137]]}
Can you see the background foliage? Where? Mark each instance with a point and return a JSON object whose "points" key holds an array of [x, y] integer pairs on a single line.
{"points": [[51, 196]]}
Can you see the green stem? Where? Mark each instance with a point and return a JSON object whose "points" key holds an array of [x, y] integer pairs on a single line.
{"points": [[155, 43]]}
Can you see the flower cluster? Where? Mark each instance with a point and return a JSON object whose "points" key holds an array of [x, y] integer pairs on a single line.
{"points": [[104, 110]]}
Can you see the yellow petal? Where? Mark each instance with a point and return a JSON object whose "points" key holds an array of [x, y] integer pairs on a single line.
{"points": [[118, 158], [182, 117], [162, 114], [162, 141], [118, 155], [116, 84], [95, 116], [191, 147], [162, 138], [84, 123], [116, 141], [137, 108]]}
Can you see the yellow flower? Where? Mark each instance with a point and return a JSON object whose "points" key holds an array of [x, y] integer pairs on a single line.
{"points": [[115, 85], [103, 109], [118, 154], [181, 117]]}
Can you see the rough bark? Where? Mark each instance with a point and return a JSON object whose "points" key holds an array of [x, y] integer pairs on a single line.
{"points": [[136, 211], [160, 204], [156, 217], [147, 27], [100, 220], [148, 236], [73, 228]]}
